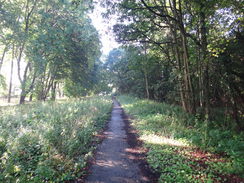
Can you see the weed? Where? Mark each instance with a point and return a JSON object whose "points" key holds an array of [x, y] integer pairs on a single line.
{"points": [[181, 147], [49, 142]]}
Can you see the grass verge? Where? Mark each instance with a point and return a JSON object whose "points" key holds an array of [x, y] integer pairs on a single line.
{"points": [[183, 148], [51, 141]]}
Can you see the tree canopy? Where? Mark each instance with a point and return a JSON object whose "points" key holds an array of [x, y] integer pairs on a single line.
{"points": [[54, 44], [187, 53]]}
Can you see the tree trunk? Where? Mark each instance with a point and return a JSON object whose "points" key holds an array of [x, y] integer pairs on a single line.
{"points": [[19, 61], [49, 85], [187, 77], [205, 62], [22, 98], [53, 95], [1, 61], [145, 73], [186, 87], [23, 84], [28, 14], [11, 77], [200, 78], [146, 84], [179, 65], [234, 102], [59, 90], [24, 88], [31, 97]]}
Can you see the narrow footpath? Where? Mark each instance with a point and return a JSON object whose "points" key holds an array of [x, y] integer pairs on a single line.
{"points": [[114, 162]]}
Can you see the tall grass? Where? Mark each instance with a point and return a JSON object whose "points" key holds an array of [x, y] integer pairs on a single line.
{"points": [[49, 142], [167, 129]]}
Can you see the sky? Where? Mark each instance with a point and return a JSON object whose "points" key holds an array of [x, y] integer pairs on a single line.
{"points": [[104, 28]]}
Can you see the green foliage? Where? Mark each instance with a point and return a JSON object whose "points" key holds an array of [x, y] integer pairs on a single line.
{"points": [[133, 71], [193, 54], [56, 40], [49, 142], [69, 49], [174, 137]]}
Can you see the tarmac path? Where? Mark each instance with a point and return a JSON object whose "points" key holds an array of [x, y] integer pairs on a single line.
{"points": [[114, 163]]}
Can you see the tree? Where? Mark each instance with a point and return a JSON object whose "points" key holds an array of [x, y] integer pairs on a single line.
{"points": [[54, 42], [186, 36]]}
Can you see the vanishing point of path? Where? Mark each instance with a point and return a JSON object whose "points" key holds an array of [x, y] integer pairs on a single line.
{"points": [[114, 161]]}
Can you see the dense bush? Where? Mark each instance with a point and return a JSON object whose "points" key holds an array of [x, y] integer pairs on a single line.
{"points": [[166, 128], [49, 142]]}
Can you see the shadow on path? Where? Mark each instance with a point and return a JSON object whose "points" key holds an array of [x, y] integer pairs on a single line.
{"points": [[116, 161]]}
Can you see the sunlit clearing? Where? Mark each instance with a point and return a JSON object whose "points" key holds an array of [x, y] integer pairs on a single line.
{"points": [[155, 139]]}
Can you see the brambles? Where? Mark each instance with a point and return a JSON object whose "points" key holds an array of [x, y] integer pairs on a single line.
{"points": [[49, 142]]}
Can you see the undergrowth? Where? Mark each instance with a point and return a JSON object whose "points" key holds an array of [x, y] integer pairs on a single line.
{"points": [[51, 141], [182, 147]]}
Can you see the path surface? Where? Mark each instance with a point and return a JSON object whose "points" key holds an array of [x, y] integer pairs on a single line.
{"points": [[114, 163]]}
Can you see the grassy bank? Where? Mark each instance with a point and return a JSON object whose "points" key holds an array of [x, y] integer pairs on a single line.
{"points": [[51, 141], [183, 148]]}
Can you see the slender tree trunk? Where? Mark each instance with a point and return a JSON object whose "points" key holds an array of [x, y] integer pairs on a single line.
{"points": [[186, 86], [19, 61], [23, 84], [23, 92], [235, 111], [48, 89], [145, 74], [41, 84], [200, 79], [199, 72], [187, 77], [31, 97], [28, 14], [39, 90], [26, 89], [59, 90], [53, 97], [11, 77], [234, 102], [146, 85], [179, 65], [181, 83], [206, 92], [49, 84], [2, 58], [204, 43]]}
